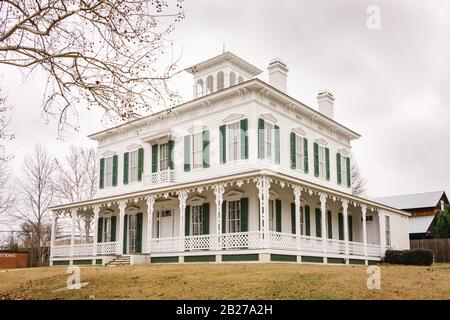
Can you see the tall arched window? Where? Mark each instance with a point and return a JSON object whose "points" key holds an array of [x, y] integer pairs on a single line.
{"points": [[240, 79], [199, 88], [209, 84], [220, 80], [232, 78]]}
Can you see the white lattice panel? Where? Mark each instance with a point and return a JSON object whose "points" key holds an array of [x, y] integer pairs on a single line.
{"points": [[61, 251], [203, 242], [281, 240], [165, 245], [313, 244], [373, 250], [160, 177], [107, 247]]}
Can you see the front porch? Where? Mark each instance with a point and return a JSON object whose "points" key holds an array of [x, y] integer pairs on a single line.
{"points": [[260, 218]]}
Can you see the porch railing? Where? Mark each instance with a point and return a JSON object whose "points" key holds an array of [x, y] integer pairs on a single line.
{"points": [[226, 241], [160, 177]]}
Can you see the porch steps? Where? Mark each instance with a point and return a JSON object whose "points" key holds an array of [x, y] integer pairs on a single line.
{"points": [[119, 261]]}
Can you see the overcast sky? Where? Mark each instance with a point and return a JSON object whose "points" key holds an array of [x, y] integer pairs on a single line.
{"points": [[391, 85]]}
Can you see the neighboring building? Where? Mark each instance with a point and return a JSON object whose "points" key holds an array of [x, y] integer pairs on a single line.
{"points": [[243, 172], [424, 209]]}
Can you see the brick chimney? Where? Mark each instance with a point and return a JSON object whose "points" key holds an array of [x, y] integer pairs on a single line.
{"points": [[278, 74], [325, 101]]}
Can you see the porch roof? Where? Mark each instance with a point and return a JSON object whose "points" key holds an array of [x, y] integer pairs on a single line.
{"points": [[251, 174], [420, 224]]}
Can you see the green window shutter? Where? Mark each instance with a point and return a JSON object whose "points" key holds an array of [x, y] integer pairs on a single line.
{"points": [[125, 232], [316, 159], [205, 148], [102, 173], [277, 144], [350, 228], [244, 214], [260, 138], [307, 221], [341, 225], [338, 164], [349, 179], [278, 215], [139, 232], [125, 167], [293, 217], [187, 220], [330, 224], [140, 163], [223, 143], [206, 218], [154, 158], [224, 217], [100, 230], [293, 149], [318, 223], [115, 167], [187, 153], [327, 163], [170, 146], [305, 154], [113, 228], [244, 139]]}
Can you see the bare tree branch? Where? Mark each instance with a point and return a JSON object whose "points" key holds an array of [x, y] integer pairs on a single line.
{"points": [[359, 184], [97, 53]]}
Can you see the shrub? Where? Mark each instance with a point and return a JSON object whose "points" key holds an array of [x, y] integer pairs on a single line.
{"points": [[418, 257]]}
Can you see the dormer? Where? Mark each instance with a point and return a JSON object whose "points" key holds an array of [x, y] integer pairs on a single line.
{"points": [[220, 72]]}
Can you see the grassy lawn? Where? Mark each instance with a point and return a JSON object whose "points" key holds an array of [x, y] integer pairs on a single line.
{"points": [[229, 281]]}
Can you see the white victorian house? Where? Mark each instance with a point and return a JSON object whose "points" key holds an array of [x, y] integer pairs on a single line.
{"points": [[243, 172]]}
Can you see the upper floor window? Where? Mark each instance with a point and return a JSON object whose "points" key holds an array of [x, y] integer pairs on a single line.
{"points": [[133, 168], [209, 84], [268, 141], [220, 80], [232, 78], [321, 161], [343, 170], [108, 171], [299, 152], [163, 156], [197, 150], [240, 79], [233, 141]]}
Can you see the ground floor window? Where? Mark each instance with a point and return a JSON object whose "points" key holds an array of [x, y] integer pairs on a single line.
{"points": [[234, 216], [388, 230], [272, 222], [197, 220]]}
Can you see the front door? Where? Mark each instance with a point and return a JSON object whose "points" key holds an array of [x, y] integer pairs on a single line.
{"points": [[165, 223], [132, 234]]}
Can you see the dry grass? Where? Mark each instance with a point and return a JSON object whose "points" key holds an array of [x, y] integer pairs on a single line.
{"points": [[229, 281]]}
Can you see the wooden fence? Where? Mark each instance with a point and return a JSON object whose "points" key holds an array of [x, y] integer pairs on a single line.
{"points": [[440, 248]]}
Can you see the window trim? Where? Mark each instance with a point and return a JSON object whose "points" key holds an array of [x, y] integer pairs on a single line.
{"points": [[130, 181], [160, 159], [387, 231], [227, 227], [271, 122], [299, 161], [199, 224], [321, 146], [192, 151]]}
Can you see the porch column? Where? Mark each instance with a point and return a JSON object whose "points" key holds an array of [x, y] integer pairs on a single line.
{"points": [[381, 224], [182, 197], [53, 234], [72, 234], [122, 206], [96, 213], [150, 206], [323, 209], [219, 190], [298, 231], [263, 185], [364, 227], [345, 216]]}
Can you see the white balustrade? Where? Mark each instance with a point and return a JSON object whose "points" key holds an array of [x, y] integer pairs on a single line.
{"points": [[105, 248], [280, 240], [85, 249], [373, 250], [160, 177], [165, 244], [242, 240], [202, 242], [335, 246], [311, 244], [356, 248]]}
